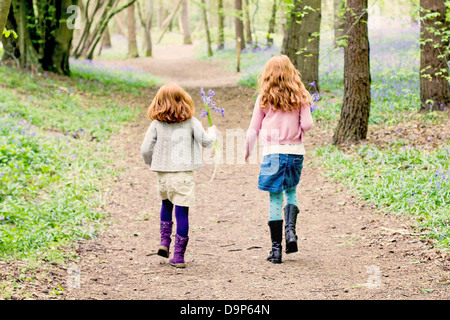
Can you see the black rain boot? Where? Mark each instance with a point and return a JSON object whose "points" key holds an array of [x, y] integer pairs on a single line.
{"points": [[276, 234], [290, 216]]}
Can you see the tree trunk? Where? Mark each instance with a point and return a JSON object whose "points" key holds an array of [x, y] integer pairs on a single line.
{"points": [[59, 41], [45, 38], [132, 42], [354, 121], [302, 39], [148, 28], [272, 23], [205, 22], [221, 24], [186, 23], [168, 22], [99, 13], [106, 39], [4, 10], [248, 24], [11, 52], [146, 18], [239, 25], [160, 14], [434, 86], [339, 22]]}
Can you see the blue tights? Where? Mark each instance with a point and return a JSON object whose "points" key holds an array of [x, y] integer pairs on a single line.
{"points": [[276, 203], [181, 214]]}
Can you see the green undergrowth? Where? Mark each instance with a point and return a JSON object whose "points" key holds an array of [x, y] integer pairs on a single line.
{"points": [[398, 175], [400, 179], [96, 77], [54, 161]]}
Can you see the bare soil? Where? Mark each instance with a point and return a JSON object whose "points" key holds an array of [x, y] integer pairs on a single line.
{"points": [[346, 250]]}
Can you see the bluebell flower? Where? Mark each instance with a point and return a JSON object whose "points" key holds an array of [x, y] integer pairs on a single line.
{"points": [[204, 114], [315, 97]]}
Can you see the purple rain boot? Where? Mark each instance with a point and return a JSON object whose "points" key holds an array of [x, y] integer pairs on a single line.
{"points": [[166, 232], [180, 249]]}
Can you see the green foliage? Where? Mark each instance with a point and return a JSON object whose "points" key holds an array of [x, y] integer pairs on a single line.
{"points": [[7, 33], [102, 79], [398, 178], [53, 163]]}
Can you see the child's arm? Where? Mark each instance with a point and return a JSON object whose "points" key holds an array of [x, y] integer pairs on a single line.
{"points": [[149, 143], [306, 120], [253, 129], [206, 139]]}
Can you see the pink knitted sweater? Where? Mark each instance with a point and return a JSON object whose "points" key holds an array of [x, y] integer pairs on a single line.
{"points": [[277, 127]]}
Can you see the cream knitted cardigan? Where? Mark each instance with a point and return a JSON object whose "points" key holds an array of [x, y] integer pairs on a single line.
{"points": [[175, 147]]}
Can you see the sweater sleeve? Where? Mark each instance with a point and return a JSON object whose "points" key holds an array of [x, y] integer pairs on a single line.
{"points": [[254, 128], [200, 135], [149, 143], [306, 120]]}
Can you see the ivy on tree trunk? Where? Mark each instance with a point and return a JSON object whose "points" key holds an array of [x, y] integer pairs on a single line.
{"points": [[302, 39], [434, 74], [354, 121], [45, 39]]}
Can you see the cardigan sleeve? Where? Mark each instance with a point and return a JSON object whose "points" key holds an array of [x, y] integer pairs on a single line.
{"points": [[206, 139], [149, 143]]}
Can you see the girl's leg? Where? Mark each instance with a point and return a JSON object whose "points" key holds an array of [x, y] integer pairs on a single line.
{"points": [[182, 216], [166, 210], [276, 206], [276, 226], [290, 217], [291, 196], [181, 239], [165, 228]]}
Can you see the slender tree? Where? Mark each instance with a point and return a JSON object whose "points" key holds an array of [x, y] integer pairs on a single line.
{"points": [[98, 13], [239, 25], [248, 22], [339, 22], [434, 84], [302, 39], [221, 24], [205, 22], [4, 10], [106, 39], [272, 23], [186, 22], [354, 120], [132, 41], [146, 18]]}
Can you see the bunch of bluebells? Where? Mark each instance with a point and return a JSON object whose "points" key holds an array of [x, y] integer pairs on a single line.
{"points": [[315, 98], [210, 105]]}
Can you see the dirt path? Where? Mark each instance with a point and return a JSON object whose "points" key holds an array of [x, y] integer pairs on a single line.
{"points": [[176, 63], [346, 251]]}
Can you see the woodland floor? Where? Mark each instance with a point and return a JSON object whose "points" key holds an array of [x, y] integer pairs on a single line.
{"points": [[343, 243]]}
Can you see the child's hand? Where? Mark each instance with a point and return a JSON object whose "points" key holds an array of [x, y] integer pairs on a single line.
{"points": [[213, 132]]}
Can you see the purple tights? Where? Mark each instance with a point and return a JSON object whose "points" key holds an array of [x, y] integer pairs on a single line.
{"points": [[181, 215]]}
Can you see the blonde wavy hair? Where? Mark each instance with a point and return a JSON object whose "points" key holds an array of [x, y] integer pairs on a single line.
{"points": [[280, 86], [171, 104]]}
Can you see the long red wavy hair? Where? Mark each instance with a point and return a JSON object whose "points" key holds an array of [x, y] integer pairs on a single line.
{"points": [[280, 86]]}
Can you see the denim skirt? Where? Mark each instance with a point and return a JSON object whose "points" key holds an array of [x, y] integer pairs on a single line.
{"points": [[280, 172]]}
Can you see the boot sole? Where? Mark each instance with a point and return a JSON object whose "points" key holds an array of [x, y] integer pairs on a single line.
{"points": [[178, 265], [163, 252], [291, 247]]}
